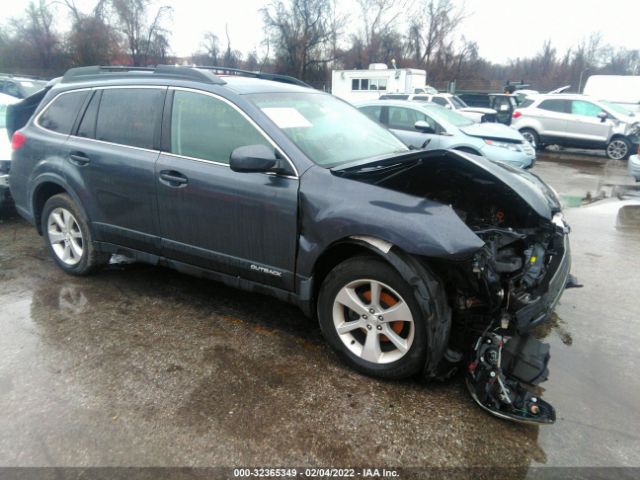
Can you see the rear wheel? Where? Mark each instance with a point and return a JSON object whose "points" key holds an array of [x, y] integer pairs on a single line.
{"points": [[68, 238], [532, 137], [618, 148], [368, 314]]}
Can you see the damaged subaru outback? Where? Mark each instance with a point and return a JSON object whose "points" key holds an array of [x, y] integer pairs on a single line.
{"points": [[415, 263]]}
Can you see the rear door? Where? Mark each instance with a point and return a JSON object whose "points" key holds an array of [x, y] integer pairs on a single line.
{"points": [[239, 224], [112, 160], [553, 115]]}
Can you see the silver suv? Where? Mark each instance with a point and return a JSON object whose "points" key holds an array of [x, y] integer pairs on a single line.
{"points": [[576, 121]]}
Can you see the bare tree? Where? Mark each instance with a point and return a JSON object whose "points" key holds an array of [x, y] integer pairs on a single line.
{"points": [[146, 40], [302, 33], [91, 40], [432, 25], [379, 39]]}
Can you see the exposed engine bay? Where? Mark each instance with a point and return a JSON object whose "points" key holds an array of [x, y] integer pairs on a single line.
{"points": [[506, 288]]}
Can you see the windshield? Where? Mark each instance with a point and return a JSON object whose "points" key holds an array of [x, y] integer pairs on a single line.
{"points": [[617, 108], [458, 102], [454, 118], [329, 131], [32, 86]]}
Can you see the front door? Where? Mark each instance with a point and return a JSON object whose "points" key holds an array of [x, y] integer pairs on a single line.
{"points": [[402, 120], [585, 125], [240, 224]]}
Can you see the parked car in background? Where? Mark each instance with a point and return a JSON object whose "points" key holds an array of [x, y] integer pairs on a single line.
{"points": [[578, 121], [422, 124], [20, 87], [5, 149], [451, 102], [415, 262]]}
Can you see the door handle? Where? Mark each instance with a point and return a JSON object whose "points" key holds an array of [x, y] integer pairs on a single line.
{"points": [[78, 158], [173, 179]]}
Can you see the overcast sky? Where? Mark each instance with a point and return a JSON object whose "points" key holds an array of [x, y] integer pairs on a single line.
{"points": [[503, 29]]}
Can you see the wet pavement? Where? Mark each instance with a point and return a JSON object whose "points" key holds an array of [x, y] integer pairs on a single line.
{"points": [[142, 366]]}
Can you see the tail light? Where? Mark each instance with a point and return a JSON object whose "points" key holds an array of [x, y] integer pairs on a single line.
{"points": [[17, 140], [517, 114]]}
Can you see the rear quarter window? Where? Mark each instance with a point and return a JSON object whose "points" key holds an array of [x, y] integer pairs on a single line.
{"points": [[61, 114], [129, 116]]}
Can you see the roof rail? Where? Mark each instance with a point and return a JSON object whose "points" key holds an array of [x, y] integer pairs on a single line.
{"points": [[102, 72], [198, 73], [247, 73]]}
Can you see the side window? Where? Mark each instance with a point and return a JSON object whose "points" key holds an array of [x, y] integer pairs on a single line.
{"points": [[87, 128], [382, 84], [404, 118], [373, 112], [440, 101], [355, 84], [588, 109], [421, 98], [553, 106], [61, 114], [129, 116], [207, 128]]}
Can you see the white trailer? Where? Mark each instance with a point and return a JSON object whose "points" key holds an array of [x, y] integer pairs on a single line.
{"points": [[362, 85], [623, 90]]}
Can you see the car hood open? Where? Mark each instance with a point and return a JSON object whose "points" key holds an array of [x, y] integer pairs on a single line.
{"points": [[493, 131]]}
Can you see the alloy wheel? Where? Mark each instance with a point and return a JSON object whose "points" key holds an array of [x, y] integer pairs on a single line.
{"points": [[65, 236], [529, 137], [373, 321], [617, 150]]}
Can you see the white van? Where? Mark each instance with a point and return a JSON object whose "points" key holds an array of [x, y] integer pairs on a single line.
{"points": [[623, 90], [362, 85]]}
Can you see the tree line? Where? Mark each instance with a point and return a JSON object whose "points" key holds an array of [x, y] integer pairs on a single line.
{"points": [[303, 38]]}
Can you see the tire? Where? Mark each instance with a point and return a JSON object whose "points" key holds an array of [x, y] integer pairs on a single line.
{"points": [[532, 137], [358, 345], [618, 148], [66, 233]]}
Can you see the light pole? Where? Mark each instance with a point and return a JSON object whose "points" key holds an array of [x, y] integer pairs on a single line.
{"points": [[580, 82]]}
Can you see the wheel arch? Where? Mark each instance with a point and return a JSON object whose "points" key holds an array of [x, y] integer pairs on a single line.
{"points": [[46, 187], [428, 289]]}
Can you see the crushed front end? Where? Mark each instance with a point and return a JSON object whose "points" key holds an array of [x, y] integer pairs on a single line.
{"points": [[514, 283]]}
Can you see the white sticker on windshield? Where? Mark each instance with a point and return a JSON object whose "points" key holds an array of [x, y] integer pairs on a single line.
{"points": [[287, 117], [26, 84]]}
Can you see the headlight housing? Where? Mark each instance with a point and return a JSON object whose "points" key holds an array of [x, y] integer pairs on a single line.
{"points": [[514, 147]]}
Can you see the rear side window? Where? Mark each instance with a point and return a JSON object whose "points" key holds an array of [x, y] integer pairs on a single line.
{"points": [[129, 116], [440, 101], [87, 126], [205, 127], [373, 112], [554, 106], [527, 102], [61, 114]]}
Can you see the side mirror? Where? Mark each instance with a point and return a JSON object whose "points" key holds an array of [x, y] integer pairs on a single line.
{"points": [[448, 105], [253, 158], [603, 116], [423, 127]]}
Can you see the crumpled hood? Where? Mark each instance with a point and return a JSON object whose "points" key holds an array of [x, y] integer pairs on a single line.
{"points": [[528, 186], [494, 131]]}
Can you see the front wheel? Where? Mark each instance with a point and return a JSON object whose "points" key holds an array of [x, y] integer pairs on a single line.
{"points": [[618, 148], [532, 137], [368, 314], [68, 238]]}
